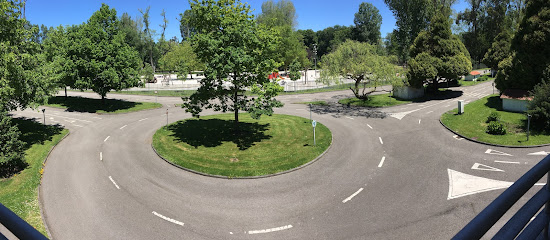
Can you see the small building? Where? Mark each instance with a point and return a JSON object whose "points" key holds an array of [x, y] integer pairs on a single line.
{"points": [[473, 76], [515, 100]]}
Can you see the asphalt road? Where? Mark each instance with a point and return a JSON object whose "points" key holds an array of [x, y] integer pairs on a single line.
{"points": [[393, 173]]}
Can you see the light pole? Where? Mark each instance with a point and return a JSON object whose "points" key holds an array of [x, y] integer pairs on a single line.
{"points": [[493, 88], [44, 112], [528, 125], [315, 56]]}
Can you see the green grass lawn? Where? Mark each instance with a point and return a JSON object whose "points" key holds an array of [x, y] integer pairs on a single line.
{"points": [[265, 146], [465, 83], [160, 93], [19, 192], [381, 100], [472, 124], [92, 105]]}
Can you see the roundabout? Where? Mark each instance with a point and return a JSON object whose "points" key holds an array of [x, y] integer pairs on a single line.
{"points": [[386, 176]]}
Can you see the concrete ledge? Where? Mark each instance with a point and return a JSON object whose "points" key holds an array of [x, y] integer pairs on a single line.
{"points": [[490, 144], [249, 177]]}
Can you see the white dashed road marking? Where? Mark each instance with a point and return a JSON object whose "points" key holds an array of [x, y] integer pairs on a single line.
{"points": [[123, 127], [380, 140], [142, 119], [168, 219], [352, 195], [369, 126], [107, 138], [419, 121], [349, 117], [100, 156], [429, 112], [270, 230], [116, 185], [381, 162], [497, 161]]}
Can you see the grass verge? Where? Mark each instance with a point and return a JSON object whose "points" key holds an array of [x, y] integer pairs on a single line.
{"points": [[92, 105], [381, 100], [265, 146], [19, 192], [472, 124]]}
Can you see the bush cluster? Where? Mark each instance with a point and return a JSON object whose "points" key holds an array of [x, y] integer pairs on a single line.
{"points": [[496, 128], [483, 78], [494, 116]]}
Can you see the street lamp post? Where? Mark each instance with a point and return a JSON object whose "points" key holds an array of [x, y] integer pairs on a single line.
{"points": [[315, 56], [528, 125], [44, 112]]}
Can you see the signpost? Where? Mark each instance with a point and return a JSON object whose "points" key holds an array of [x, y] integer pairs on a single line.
{"points": [[310, 112], [156, 95], [167, 117], [314, 123], [44, 112], [528, 125]]}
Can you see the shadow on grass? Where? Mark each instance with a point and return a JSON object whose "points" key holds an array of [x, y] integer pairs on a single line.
{"points": [[213, 132], [32, 132], [91, 105], [495, 102]]}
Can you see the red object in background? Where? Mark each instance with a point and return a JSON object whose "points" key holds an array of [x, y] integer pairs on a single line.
{"points": [[273, 75]]}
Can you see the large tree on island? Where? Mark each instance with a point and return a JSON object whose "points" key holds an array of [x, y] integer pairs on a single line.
{"points": [[234, 49], [530, 50], [359, 62], [437, 54], [100, 57]]}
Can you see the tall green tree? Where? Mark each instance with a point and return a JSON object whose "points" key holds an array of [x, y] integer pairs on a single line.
{"points": [[279, 13], [500, 49], [186, 29], [367, 22], [539, 107], [103, 61], [359, 62], [331, 37], [234, 49], [24, 78], [182, 59], [437, 54], [530, 50], [148, 35]]}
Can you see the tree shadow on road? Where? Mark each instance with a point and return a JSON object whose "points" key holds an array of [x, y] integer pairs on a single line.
{"points": [[91, 105], [338, 110], [213, 132]]}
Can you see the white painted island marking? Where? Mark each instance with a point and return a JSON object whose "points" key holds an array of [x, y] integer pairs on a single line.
{"points": [[352, 195], [462, 184], [270, 230], [419, 121], [116, 185], [123, 127], [369, 126], [168, 219], [495, 152], [381, 142], [100, 156], [142, 119], [457, 137], [107, 138], [382, 162], [483, 167]]}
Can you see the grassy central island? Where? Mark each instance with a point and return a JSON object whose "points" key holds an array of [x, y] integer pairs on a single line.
{"points": [[266, 146]]}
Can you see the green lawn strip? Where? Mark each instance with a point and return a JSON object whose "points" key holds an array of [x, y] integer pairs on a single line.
{"points": [[472, 124], [160, 93], [265, 146], [464, 83], [19, 193], [92, 105], [380, 100]]}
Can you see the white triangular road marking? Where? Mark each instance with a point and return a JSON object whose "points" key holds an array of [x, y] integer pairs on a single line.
{"points": [[462, 184], [457, 137], [400, 115], [543, 153], [479, 166], [495, 152]]}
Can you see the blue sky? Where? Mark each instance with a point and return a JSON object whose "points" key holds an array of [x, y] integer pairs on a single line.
{"points": [[312, 14]]}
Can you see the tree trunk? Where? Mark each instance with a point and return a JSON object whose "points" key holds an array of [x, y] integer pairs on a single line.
{"points": [[65, 92], [236, 109], [103, 99]]}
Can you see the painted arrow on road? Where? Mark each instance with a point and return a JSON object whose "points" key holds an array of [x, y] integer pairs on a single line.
{"points": [[542, 153], [495, 152], [483, 167]]}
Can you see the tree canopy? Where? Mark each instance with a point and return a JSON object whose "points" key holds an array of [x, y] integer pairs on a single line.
{"points": [[279, 13], [235, 52], [530, 50], [437, 54], [367, 22], [359, 62]]}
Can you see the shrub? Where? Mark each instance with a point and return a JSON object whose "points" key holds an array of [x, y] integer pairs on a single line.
{"points": [[496, 128], [539, 107], [483, 78], [494, 116], [12, 158]]}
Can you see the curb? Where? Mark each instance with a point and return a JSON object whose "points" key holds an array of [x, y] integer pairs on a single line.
{"points": [[491, 144], [42, 214], [248, 177]]}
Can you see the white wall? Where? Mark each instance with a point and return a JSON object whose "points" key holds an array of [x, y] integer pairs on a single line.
{"points": [[514, 105]]}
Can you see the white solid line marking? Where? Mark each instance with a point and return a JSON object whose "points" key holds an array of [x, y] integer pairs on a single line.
{"points": [[123, 126], [299, 109], [369, 126], [270, 230], [380, 140], [352, 195], [540, 184], [107, 138], [497, 161], [419, 121], [429, 112], [381, 162], [349, 117], [168, 219], [100, 156], [76, 125], [114, 182], [142, 119]]}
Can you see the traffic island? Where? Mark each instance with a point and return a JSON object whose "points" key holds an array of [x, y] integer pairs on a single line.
{"points": [[269, 146]]}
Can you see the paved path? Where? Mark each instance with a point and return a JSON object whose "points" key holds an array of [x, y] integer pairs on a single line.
{"points": [[394, 173]]}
